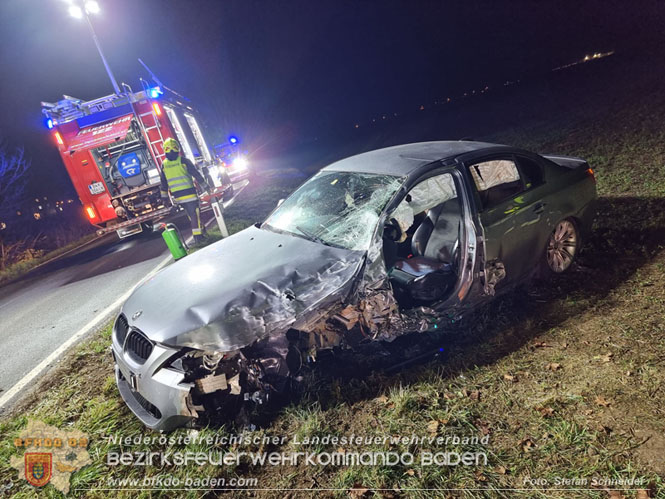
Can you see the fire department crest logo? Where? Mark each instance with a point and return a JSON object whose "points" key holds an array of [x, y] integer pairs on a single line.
{"points": [[48, 455], [38, 468]]}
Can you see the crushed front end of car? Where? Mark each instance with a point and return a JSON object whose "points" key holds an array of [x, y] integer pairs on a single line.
{"points": [[209, 333]]}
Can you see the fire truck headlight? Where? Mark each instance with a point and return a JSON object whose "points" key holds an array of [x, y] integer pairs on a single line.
{"points": [[240, 163]]}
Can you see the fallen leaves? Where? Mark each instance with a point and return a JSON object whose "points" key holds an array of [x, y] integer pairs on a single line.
{"points": [[600, 400], [484, 427], [552, 366], [385, 401], [473, 395], [545, 412], [358, 491], [510, 377], [527, 445], [605, 357], [480, 476], [433, 427]]}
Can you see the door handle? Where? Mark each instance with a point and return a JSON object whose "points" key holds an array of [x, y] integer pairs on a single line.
{"points": [[539, 208]]}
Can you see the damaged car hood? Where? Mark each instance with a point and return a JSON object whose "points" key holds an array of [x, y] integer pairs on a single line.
{"points": [[240, 289]]}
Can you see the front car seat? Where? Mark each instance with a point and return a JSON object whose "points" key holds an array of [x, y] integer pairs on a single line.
{"points": [[430, 273]]}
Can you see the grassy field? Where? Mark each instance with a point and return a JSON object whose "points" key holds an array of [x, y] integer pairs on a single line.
{"points": [[565, 378]]}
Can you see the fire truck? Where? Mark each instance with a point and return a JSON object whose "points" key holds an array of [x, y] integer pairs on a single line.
{"points": [[112, 150]]}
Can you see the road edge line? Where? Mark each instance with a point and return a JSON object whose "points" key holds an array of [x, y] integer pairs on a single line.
{"points": [[15, 390]]}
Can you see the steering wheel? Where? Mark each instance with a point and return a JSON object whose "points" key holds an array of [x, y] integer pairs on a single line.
{"points": [[392, 230]]}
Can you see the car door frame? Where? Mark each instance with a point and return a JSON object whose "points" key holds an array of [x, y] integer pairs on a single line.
{"points": [[468, 236], [494, 267]]}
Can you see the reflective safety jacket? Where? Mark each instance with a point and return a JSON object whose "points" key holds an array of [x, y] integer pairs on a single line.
{"points": [[178, 177]]}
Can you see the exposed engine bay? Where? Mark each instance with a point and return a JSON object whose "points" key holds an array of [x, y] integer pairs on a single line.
{"points": [[240, 384]]}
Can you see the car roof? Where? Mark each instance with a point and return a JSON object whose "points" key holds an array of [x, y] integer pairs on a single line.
{"points": [[404, 159]]}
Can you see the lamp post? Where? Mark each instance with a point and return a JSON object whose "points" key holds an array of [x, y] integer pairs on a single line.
{"points": [[92, 7]]}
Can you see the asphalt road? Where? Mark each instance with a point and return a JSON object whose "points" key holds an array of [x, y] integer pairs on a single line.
{"points": [[41, 312]]}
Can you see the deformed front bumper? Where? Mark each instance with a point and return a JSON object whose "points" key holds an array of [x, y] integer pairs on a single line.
{"points": [[156, 394]]}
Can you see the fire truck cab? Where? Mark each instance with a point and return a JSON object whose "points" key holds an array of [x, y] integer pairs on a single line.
{"points": [[112, 150]]}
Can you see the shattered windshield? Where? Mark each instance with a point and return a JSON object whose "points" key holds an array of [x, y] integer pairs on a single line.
{"points": [[336, 208]]}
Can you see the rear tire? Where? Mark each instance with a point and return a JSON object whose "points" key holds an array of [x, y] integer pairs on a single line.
{"points": [[562, 246]]}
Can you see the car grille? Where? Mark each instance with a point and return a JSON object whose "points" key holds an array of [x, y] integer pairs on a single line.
{"points": [[121, 327], [138, 346]]}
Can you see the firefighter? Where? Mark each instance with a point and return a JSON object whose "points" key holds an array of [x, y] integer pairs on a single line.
{"points": [[178, 176]]}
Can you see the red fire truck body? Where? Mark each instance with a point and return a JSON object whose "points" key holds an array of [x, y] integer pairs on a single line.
{"points": [[112, 150]]}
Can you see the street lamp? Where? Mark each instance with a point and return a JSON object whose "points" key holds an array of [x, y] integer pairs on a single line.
{"points": [[80, 12]]}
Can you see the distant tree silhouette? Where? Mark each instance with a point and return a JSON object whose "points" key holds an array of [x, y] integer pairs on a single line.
{"points": [[14, 169], [13, 179]]}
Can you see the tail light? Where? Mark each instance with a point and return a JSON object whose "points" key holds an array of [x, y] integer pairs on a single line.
{"points": [[591, 173], [58, 137], [91, 212], [158, 110]]}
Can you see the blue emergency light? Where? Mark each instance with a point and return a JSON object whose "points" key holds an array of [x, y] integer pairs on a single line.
{"points": [[155, 92], [233, 140], [49, 123]]}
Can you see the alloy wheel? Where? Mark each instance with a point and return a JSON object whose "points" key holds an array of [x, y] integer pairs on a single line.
{"points": [[562, 246]]}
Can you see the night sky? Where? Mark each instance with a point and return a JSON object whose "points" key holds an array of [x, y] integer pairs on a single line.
{"points": [[290, 70]]}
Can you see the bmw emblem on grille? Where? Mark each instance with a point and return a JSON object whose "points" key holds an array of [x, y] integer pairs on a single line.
{"points": [[137, 314]]}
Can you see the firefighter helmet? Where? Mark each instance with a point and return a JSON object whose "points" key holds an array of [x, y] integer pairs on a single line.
{"points": [[171, 144]]}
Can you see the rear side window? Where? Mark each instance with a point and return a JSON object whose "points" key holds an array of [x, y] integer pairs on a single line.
{"points": [[532, 172], [496, 181]]}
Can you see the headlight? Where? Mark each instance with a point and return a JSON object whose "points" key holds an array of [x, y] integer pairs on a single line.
{"points": [[240, 163]]}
